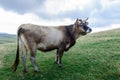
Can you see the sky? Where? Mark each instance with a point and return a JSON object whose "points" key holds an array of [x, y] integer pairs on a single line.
{"points": [[102, 14]]}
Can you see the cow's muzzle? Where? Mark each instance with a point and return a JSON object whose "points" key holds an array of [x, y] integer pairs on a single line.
{"points": [[89, 30]]}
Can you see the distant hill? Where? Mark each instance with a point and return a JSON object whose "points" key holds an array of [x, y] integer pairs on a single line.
{"points": [[6, 35], [7, 38]]}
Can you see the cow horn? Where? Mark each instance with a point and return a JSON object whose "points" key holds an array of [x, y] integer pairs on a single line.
{"points": [[86, 19], [77, 19]]}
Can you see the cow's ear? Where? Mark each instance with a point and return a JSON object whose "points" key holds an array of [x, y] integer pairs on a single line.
{"points": [[77, 19], [86, 19]]}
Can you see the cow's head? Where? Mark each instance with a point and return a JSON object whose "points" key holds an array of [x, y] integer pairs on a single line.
{"points": [[82, 27]]}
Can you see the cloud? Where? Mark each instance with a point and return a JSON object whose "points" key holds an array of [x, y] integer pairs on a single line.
{"points": [[21, 6], [101, 13], [10, 21], [50, 9], [110, 27], [60, 6], [67, 8], [107, 14]]}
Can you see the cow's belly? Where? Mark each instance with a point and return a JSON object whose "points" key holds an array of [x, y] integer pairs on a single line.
{"points": [[46, 47], [51, 41]]}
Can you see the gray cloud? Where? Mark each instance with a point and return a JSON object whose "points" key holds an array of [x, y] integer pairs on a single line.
{"points": [[73, 14], [103, 15], [21, 6], [107, 15]]}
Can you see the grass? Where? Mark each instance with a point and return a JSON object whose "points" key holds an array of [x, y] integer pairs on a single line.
{"points": [[94, 57]]}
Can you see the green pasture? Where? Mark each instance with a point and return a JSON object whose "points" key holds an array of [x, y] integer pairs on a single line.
{"points": [[94, 57]]}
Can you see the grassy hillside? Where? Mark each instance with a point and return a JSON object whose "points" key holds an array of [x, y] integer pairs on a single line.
{"points": [[7, 38], [94, 57]]}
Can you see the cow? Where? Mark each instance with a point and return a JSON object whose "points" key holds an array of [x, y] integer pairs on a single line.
{"points": [[46, 38]]}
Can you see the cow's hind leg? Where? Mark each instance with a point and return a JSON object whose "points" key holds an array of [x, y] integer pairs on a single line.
{"points": [[33, 61], [24, 50], [32, 57]]}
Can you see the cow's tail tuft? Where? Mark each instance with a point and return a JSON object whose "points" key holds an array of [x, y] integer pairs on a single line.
{"points": [[16, 62]]}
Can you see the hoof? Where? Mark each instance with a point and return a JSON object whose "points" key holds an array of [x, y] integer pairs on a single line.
{"points": [[60, 66], [24, 71], [36, 70], [13, 68], [55, 62]]}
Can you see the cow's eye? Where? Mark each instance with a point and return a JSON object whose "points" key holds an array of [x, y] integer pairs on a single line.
{"points": [[81, 25]]}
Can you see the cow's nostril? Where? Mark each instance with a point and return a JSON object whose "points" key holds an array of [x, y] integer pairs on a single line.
{"points": [[89, 30]]}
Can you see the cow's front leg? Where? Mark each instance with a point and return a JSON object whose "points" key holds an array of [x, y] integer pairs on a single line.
{"points": [[59, 56], [56, 58]]}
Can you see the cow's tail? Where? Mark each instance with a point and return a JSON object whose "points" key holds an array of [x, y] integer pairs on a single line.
{"points": [[16, 62]]}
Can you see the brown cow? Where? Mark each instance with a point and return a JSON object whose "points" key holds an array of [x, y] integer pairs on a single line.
{"points": [[35, 37]]}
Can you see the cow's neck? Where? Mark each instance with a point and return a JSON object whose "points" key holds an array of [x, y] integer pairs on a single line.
{"points": [[70, 32], [73, 32]]}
